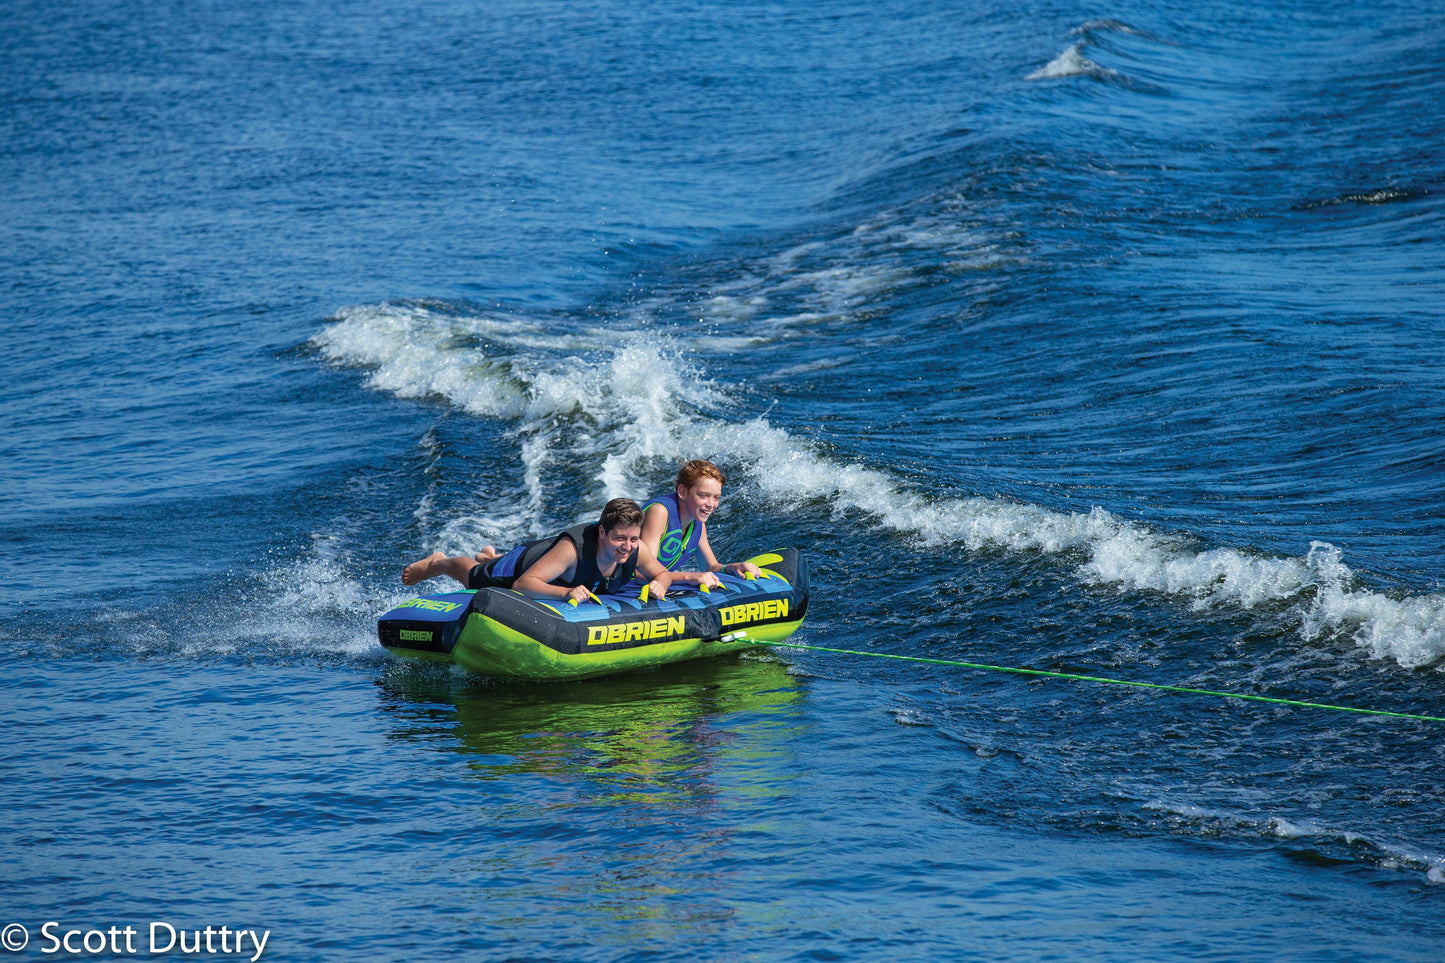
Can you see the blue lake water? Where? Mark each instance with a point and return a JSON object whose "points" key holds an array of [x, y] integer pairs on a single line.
{"points": [[1102, 341]]}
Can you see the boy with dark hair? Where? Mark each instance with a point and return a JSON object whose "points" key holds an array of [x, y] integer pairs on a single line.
{"points": [[582, 561]]}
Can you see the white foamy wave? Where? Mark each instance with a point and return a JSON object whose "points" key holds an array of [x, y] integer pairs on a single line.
{"points": [[1411, 630], [627, 408], [1318, 587], [1071, 63], [529, 375], [405, 345], [619, 401]]}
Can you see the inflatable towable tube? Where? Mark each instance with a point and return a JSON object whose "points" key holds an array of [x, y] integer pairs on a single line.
{"points": [[501, 632]]}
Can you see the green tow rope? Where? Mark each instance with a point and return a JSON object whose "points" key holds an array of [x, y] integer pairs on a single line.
{"points": [[1040, 673]]}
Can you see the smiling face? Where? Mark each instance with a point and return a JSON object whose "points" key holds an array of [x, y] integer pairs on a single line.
{"points": [[614, 545], [701, 499]]}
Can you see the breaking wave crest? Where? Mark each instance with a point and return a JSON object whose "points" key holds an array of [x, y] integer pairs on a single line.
{"points": [[1072, 63], [621, 401]]}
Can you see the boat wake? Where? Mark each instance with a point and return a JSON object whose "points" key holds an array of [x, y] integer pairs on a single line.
{"points": [[625, 402]]}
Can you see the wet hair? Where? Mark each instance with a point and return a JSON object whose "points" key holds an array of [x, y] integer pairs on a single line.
{"points": [[698, 469], [620, 511]]}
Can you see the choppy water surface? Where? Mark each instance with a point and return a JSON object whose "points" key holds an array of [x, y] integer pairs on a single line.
{"points": [[1102, 342]]}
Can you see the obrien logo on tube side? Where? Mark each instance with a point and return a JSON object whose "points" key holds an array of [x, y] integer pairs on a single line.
{"points": [[413, 635], [636, 631], [434, 605], [754, 612]]}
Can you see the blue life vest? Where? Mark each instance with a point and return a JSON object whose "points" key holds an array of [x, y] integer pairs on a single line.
{"points": [[677, 552]]}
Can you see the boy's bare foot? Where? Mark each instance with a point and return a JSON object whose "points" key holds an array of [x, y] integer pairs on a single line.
{"points": [[422, 569], [487, 554]]}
